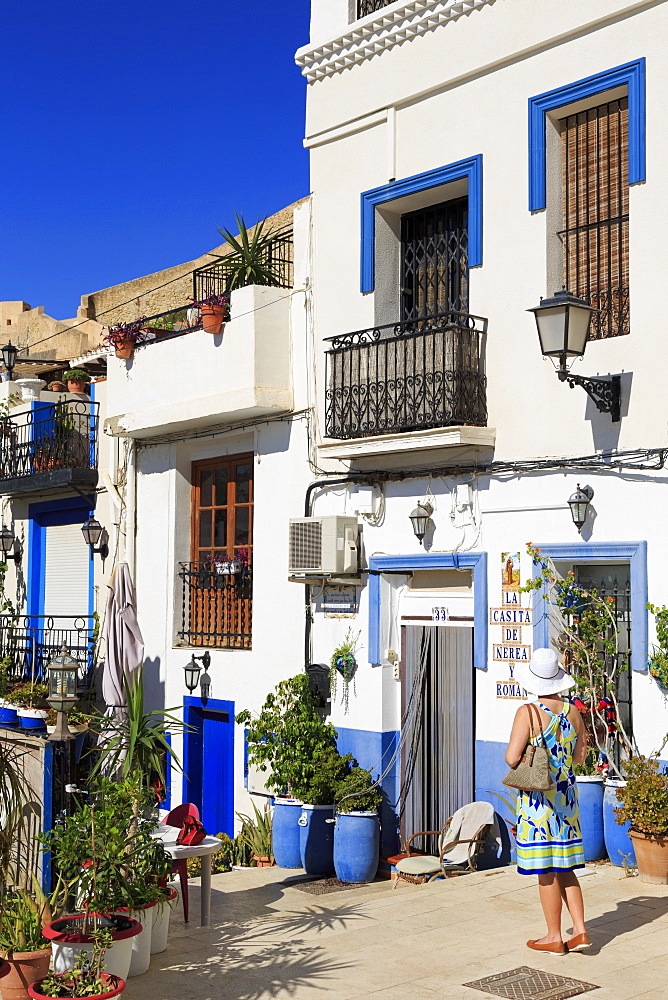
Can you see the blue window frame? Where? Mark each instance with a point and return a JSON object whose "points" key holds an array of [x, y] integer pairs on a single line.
{"points": [[476, 561], [632, 75], [635, 553], [469, 170]]}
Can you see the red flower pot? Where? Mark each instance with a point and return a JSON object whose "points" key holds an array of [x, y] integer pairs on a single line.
{"points": [[124, 349], [114, 984], [213, 318]]}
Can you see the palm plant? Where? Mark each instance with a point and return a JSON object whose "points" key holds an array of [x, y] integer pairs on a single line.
{"points": [[15, 791], [250, 259]]}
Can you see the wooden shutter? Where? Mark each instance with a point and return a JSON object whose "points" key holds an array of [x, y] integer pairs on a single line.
{"points": [[595, 197]]}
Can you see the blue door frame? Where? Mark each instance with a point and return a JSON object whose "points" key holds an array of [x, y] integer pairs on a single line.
{"points": [[208, 762]]}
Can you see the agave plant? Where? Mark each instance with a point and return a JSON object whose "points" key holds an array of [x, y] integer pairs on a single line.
{"points": [[15, 791], [256, 832], [250, 259]]}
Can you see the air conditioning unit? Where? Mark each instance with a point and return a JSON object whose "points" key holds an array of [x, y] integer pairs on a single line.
{"points": [[326, 545]]}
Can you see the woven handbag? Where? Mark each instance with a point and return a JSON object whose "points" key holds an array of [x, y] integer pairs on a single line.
{"points": [[532, 771]]}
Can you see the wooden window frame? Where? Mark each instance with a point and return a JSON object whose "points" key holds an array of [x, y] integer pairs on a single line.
{"points": [[230, 549]]}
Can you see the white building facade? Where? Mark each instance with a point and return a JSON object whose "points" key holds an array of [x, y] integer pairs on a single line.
{"points": [[468, 159]]}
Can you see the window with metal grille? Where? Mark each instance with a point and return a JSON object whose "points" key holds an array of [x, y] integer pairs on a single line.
{"points": [[595, 197], [365, 7], [434, 260], [217, 583]]}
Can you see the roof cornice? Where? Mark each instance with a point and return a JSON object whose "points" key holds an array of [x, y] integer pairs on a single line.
{"points": [[379, 31]]}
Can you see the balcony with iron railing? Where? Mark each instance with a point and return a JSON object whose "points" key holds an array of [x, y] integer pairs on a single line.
{"points": [[29, 642], [216, 604], [241, 372], [49, 446], [414, 377]]}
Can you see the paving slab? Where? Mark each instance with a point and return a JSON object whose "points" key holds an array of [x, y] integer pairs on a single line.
{"points": [[270, 941]]}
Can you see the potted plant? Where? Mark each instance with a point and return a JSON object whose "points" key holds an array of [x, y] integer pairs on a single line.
{"points": [[250, 260], [316, 823], [22, 942], [214, 310], [124, 337], [644, 805], [31, 706], [286, 739], [86, 978], [343, 662], [357, 829], [8, 716], [658, 661], [256, 833], [77, 380]]}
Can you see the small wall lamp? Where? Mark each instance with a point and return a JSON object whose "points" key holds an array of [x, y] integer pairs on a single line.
{"points": [[579, 504], [193, 670], [11, 548], [9, 355], [563, 330], [94, 533], [420, 518]]}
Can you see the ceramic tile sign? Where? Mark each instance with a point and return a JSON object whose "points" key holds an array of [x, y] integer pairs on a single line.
{"points": [[339, 600], [511, 618]]}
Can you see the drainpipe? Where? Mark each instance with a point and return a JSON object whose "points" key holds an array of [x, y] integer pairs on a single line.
{"points": [[131, 507]]}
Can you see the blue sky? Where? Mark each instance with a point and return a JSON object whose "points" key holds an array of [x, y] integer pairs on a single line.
{"points": [[133, 128]]}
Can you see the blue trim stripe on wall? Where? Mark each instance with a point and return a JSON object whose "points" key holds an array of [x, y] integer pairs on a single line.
{"points": [[469, 169], [636, 555], [632, 75], [476, 561]]}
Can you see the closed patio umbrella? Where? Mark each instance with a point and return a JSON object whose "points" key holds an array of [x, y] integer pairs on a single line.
{"points": [[123, 640]]}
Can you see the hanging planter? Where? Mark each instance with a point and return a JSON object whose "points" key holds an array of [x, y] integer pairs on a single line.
{"points": [[124, 349], [214, 311], [343, 662], [124, 337]]}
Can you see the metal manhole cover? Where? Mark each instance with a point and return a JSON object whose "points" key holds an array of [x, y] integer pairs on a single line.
{"points": [[531, 984], [320, 886]]}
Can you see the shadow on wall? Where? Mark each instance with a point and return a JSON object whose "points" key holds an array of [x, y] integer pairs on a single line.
{"points": [[154, 687]]}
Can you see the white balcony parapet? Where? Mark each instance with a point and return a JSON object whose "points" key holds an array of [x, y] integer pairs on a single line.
{"points": [[199, 379], [378, 31]]}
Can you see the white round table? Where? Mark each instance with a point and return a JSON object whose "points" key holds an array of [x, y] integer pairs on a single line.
{"points": [[203, 850]]}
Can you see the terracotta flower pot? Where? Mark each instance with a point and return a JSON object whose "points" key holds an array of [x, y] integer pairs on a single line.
{"points": [[213, 318], [25, 967], [651, 857], [114, 984], [77, 385], [263, 862], [124, 349]]}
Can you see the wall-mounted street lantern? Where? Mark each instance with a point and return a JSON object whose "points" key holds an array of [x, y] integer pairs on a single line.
{"points": [[93, 531], [9, 355], [579, 504], [62, 671], [420, 518], [193, 670], [11, 549], [563, 330]]}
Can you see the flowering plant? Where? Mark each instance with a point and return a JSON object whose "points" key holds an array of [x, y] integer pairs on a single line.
{"points": [[586, 626], [125, 331], [658, 661]]}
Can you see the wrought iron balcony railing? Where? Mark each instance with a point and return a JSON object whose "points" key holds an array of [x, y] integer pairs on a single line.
{"points": [[29, 642], [365, 7], [216, 605], [49, 437], [406, 376], [214, 278]]}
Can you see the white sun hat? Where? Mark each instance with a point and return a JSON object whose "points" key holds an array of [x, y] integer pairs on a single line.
{"points": [[543, 674]]}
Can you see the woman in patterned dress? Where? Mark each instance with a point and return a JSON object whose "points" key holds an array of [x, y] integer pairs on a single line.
{"points": [[549, 842]]}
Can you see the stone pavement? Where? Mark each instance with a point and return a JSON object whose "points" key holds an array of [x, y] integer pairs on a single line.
{"points": [[269, 940]]}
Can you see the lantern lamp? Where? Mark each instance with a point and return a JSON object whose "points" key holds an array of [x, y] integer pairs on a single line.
{"points": [[579, 504], [8, 544], [63, 671], [420, 518], [93, 531], [563, 324], [193, 669], [9, 355]]}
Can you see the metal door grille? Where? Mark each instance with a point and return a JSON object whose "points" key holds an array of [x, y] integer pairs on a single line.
{"points": [[613, 582], [434, 260], [596, 213]]}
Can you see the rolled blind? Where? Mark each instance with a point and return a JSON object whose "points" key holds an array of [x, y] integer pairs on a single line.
{"points": [[66, 571], [595, 199]]}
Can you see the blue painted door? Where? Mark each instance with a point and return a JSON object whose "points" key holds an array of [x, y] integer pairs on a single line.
{"points": [[208, 762]]}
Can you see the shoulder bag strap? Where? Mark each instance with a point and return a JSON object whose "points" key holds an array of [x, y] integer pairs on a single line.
{"points": [[532, 711]]}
